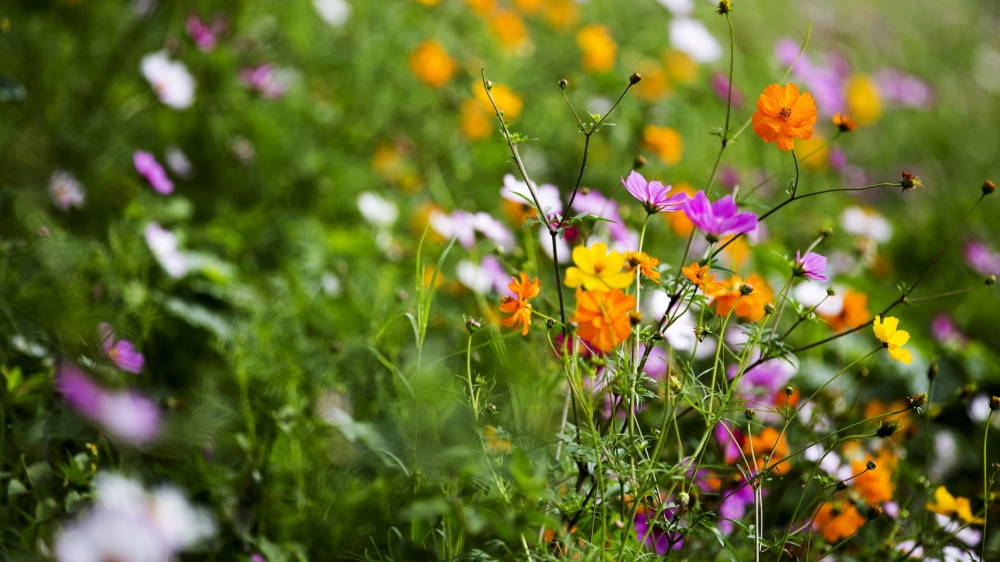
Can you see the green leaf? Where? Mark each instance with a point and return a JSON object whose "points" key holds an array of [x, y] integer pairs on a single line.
{"points": [[46, 509], [16, 488]]}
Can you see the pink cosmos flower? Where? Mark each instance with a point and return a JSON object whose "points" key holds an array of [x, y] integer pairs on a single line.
{"points": [[202, 35], [981, 258], [149, 168], [905, 89], [121, 352], [266, 79], [653, 194], [652, 533], [128, 416], [945, 331], [66, 191], [720, 85], [810, 266], [720, 218]]}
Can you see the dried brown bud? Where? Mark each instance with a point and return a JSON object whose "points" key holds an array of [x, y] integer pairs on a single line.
{"points": [[750, 413], [635, 317], [989, 187], [639, 162], [995, 403], [874, 511], [917, 400], [870, 465], [563, 83], [635, 78]]}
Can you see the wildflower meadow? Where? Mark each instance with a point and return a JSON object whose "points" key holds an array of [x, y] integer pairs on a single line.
{"points": [[520, 280]]}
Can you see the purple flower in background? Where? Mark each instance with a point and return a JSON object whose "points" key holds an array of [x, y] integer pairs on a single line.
{"points": [[257, 557], [826, 84], [720, 85], [651, 533], [202, 35], [266, 79], [731, 444], [121, 352], [728, 177], [734, 506], [66, 191], [981, 259], [945, 331], [149, 168], [761, 385], [653, 194], [720, 218], [904, 89], [129, 416], [810, 266], [837, 160]]}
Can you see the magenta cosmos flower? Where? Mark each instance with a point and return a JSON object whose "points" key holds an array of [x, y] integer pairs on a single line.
{"points": [[128, 416], [720, 218], [810, 266], [653, 194], [149, 168], [121, 352]]}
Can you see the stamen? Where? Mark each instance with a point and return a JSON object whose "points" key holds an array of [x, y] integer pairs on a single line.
{"points": [[786, 112]]}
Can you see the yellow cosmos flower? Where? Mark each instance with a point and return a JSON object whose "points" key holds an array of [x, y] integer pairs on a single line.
{"points": [[947, 504], [863, 99], [596, 269], [893, 339]]}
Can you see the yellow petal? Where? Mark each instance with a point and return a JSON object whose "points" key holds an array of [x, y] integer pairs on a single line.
{"points": [[900, 337], [614, 262], [877, 327], [889, 325], [619, 280], [574, 277], [900, 354], [945, 501], [582, 257]]}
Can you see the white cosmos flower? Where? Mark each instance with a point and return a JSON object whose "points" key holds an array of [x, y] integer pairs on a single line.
{"points": [[377, 210], [163, 244], [678, 7], [66, 191], [861, 221], [811, 293], [333, 12], [171, 80], [691, 37]]}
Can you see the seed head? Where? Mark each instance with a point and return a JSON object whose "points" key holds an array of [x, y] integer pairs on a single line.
{"points": [[989, 187], [874, 511], [910, 181]]}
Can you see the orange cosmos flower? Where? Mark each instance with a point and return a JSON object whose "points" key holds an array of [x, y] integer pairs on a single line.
{"points": [[509, 29], [599, 49], [853, 314], [748, 307], [679, 222], [766, 444], [665, 142], [644, 263], [782, 114], [562, 14], [875, 485], [837, 521], [430, 63], [602, 317], [519, 308], [844, 122], [482, 7], [702, 278]]}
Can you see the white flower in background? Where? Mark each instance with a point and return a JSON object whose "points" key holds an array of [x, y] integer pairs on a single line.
{"points": [[811, 293], [862, 221], [178, 162], [171, 80], [474, 277], [680, 334], [163, 244], [378, 211], [562, 246], [517, 191], [330, 284], [494, 231], [830, 463], [66, 191], [691, 37], [129, 524], [678, 7], [333, 12]]}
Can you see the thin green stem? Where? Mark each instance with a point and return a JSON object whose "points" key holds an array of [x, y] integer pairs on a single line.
{"points": [[986, 484]]}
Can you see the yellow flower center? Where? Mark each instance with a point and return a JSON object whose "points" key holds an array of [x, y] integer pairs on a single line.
{"points": [[786, 112]]}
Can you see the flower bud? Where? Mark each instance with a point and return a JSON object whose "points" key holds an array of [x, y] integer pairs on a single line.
{"points": [[639, 162], [932, 371], [827, 232], [635, 78], [910, 181], [789, 391], [917, 400], [995, 403], [769, 308], [989, 187], [684, 499], [750, 413], [725, 6], [886, 429], [658, 336], [473, 325], [967, 391], [870, 465], [550, 323], [489, 84], [830, 292], [874, 511], [492, 408], [563, 83], [990, 280], [746, 289], [635, 318], [841, 485]]}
